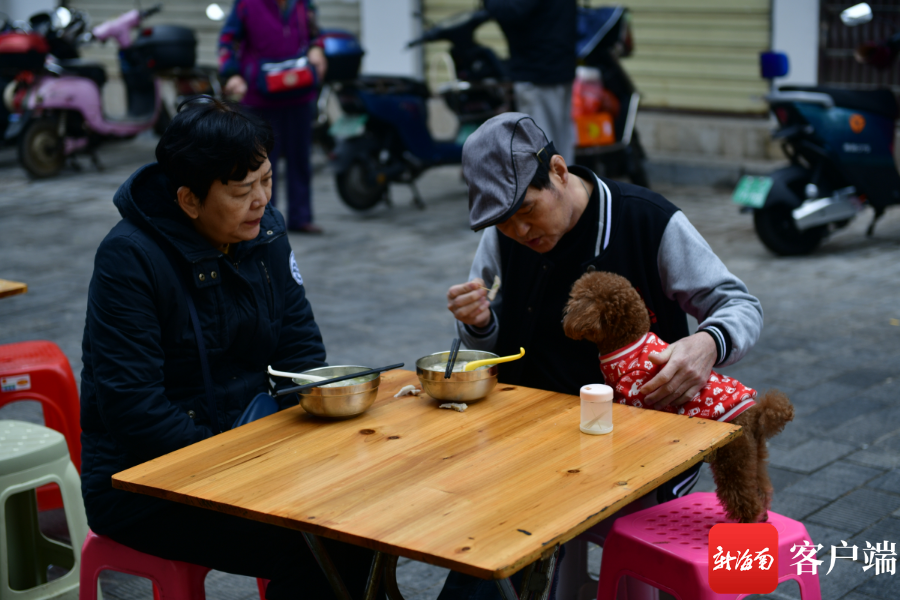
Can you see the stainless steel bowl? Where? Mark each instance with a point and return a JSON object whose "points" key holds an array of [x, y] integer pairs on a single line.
{"points": [[342, 401], [461, 386]]}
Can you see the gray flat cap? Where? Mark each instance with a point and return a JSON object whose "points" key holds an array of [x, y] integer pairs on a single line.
{"points": [[499, 160]]}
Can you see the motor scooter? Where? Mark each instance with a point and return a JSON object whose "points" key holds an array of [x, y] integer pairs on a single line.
{"points": [[24, 46], [840, 146], [62, 108], [383, 135]]}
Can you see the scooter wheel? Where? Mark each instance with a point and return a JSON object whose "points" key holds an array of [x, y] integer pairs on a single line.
{"points": [[776, 229], [41, 150], [357, 189]]}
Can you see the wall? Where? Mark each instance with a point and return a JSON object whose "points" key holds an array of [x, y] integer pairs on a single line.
{"points": [[20, 10], [385, 28], [795, 31]]}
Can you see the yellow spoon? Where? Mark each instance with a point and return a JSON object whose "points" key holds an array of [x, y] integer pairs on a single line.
{"points": [[494, 361]]}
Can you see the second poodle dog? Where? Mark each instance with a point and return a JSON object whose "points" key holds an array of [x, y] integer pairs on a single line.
{"points": [[605, 309]]}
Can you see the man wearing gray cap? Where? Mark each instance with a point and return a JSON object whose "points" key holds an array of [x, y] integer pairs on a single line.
{"points": [[544, 225]]}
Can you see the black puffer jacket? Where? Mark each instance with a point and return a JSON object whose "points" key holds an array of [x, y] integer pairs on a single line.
{"points": [[142, 392], [541, 35]]}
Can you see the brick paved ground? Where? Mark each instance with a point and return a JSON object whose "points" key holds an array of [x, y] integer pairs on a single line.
{"points": [[377, 283]]}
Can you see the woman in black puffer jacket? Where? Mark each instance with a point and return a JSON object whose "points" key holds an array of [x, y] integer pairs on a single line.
{"points": [[196, 222]]}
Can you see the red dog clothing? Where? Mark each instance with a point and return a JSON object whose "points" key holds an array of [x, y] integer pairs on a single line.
{"points": [[629, 368]]}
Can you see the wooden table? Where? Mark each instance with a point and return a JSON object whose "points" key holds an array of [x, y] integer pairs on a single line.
{"points": [[11, 288], [485, 492]]}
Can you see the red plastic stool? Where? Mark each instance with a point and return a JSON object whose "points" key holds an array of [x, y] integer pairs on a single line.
{"points": [[172, 579], [680, 566], [40, 371]]}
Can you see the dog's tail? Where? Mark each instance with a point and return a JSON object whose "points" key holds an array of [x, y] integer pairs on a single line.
{"points": [[775, 412]]}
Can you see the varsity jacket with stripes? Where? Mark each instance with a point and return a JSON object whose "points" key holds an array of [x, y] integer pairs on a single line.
{"points": [[627, 230]]}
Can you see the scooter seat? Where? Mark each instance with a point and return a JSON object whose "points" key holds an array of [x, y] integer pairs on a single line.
{"points": [[393, 84], [881, 102], [92, 71]]}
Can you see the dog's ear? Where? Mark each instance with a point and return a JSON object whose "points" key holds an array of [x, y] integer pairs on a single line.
{"points": [[584, 312]]}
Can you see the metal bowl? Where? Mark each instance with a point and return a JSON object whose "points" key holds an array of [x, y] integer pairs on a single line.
{"points": [[343, 401], [461, 386]]}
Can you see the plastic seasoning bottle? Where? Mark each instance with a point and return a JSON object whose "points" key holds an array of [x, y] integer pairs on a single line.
{"points": [[596, 409]]}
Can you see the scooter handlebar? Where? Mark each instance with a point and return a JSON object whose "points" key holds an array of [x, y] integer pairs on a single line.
{"points": [[151, 11]]}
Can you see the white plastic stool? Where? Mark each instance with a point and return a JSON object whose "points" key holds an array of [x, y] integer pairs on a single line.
{"points": [[32, 456]]}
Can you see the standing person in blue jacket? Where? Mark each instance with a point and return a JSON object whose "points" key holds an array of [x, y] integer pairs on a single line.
{"points": [[545, 223], [271, 31], [541, 36], [199, 246]]}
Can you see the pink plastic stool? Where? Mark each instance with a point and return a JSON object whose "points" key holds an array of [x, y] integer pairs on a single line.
{"points": [[40, 371], [172, 579], [667, 546]]}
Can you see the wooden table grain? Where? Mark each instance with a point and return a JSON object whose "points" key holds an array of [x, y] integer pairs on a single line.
{"points": [[11, 288], [484, 492]]}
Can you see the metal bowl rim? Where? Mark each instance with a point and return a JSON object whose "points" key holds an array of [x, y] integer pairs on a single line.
{"points": [[459, 376], [344, 390]]}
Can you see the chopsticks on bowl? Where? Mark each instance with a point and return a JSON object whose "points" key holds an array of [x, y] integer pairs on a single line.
{"points": [[301, 388], [454, 352]]}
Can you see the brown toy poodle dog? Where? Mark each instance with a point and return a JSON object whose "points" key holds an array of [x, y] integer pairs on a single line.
{"points": [[605, 309]]}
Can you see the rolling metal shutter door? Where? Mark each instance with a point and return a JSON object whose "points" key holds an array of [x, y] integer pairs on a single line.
{"points": [[689, 54], [341, 14]]}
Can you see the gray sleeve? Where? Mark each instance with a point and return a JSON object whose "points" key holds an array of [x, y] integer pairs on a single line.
{"points": [[692, 275], [485, 265]]}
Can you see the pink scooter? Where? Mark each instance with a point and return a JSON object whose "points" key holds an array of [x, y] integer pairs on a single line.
{"points": [[64, 107]]}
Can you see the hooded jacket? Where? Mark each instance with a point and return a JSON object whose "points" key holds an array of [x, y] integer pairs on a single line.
{"points": [[142, 390]]}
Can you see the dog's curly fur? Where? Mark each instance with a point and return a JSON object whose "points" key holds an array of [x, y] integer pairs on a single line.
{"points": [[605, 309]]}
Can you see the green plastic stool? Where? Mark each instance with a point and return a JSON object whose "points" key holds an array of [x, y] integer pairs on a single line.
{"points": [[32, 456]]}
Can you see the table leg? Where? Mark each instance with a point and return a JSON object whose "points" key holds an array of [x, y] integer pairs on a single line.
{"points": [[375, 574], [536, 584], [506, 589], [390, 578], [324, 560]]}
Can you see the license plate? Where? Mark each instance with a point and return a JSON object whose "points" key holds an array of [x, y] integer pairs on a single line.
{"points": [[464, 132], [752, 191], [348, 126]]}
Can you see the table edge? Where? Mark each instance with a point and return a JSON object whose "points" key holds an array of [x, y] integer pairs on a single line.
{"points": [[14, 291], [500, 573]]}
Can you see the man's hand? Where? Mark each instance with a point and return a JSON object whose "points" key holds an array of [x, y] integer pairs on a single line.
{"points": [[469, 304], [316, 58], [235, 88], [688, 363]]}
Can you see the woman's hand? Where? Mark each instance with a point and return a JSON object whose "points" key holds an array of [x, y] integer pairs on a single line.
{"points": [[688, 363], [469, 304], [316, 58], [235, 88]]}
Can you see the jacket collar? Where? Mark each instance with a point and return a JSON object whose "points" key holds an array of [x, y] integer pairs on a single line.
{"points": [[146, 199]]}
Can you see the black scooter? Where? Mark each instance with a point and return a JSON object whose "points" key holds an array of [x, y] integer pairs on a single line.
{"points": [[383, 136]]}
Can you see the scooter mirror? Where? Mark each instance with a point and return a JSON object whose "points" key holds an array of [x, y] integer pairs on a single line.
{"points": [[214, 12], [857, 15], [62, 18], [773, 64]]}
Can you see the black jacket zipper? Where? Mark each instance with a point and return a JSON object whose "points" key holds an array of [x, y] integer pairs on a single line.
{"points": [[271, 288]]}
